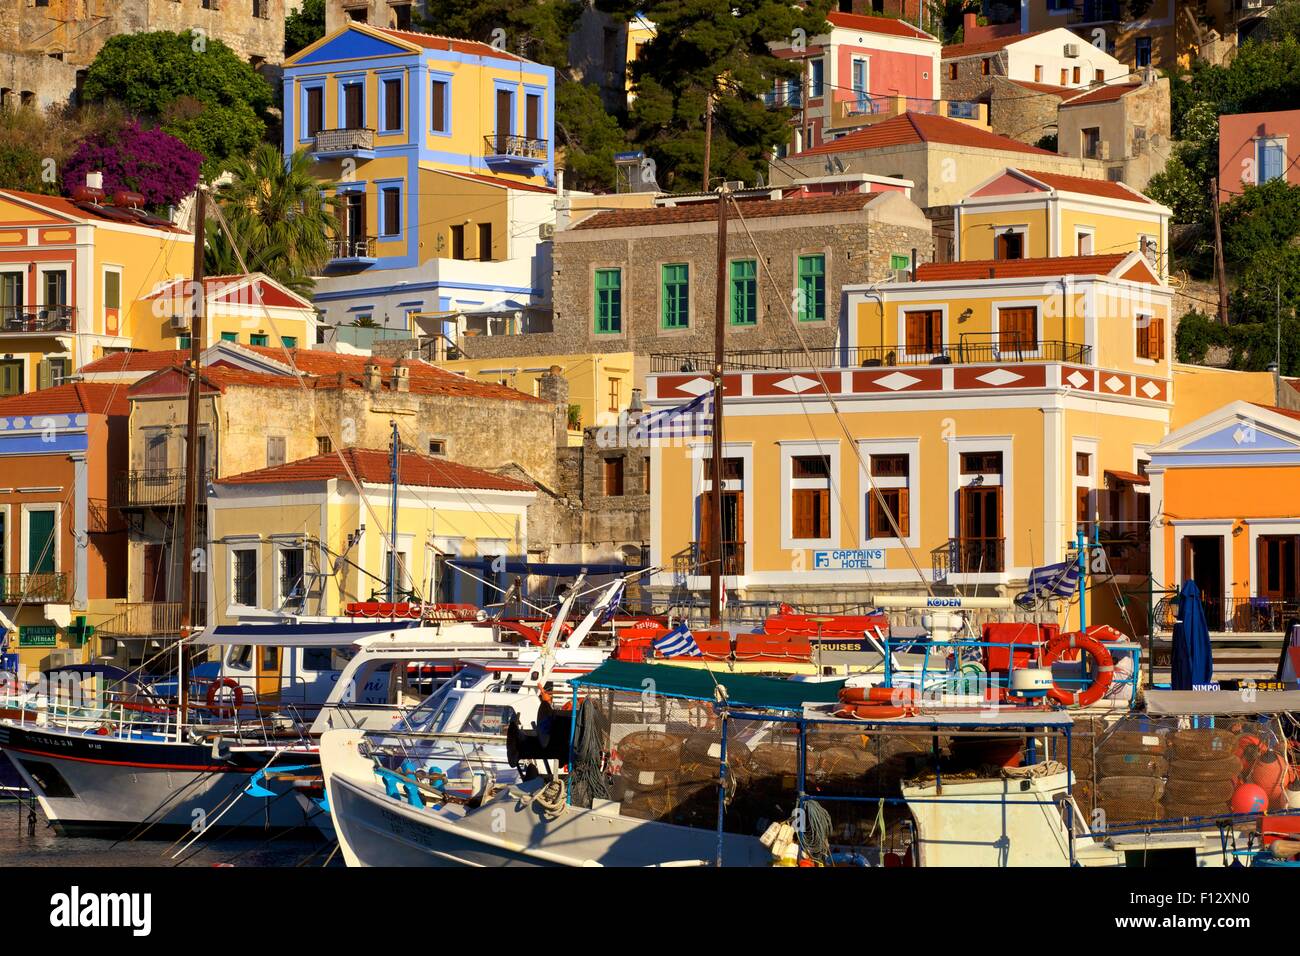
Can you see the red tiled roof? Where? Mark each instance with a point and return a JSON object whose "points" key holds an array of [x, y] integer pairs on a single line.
{"points": [[431, 41], [991, 45], [66, 207], [1016, 268], [129, 362], [1288, 412], [886, 25], [910, 128], [373, 466], [1047, 88], [708, 212], [499, 181], [1088, 187], [1106, 93], [273, 293], [94, 398]]}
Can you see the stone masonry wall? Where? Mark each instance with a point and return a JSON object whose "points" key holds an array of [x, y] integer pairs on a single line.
{"points": [[971, 83], [1020, 113]]}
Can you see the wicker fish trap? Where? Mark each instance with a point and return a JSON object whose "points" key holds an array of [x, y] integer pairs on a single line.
{"points": [[650, 750], [1182, 790], [1147, 789], [1202, 743], [1132, 765], [1133, 742], [1130, 811], [1224, 767]]}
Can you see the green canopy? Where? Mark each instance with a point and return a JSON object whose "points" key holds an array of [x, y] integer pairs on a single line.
{"points": [[745, 690]]}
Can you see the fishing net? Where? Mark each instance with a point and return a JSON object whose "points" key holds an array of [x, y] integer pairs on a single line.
{"points": [[1202, 744], [1131, 788], [1132, 765], [1129, 811]]}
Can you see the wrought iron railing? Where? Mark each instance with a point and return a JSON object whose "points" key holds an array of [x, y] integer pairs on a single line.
{"points": [[353, 247], [344, 140], [155, 489], [875, 356], [28, 319], [1248, 615], [967, 556], [515, 146], [693, 561], [34, 587]]}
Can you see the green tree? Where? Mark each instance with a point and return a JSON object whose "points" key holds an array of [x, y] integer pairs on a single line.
{"points": [[34, 144], [278, 217], [588, 136], [1262, 219], [304, 26], [196, 87]]}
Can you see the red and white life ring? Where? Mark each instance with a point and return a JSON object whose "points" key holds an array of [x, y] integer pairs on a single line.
{"points": [[878, 695], [223, 710], [1104, 668]]}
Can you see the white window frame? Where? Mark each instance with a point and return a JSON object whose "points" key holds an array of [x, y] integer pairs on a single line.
{"points": [[405, 549], [987, 443], [234, 546], [1018, 230], [794, 449], [281, 545], [910, 447], [700, 485], [1262, 143], [1091, 233], [1037, 306], [24, 552], [906, 307]]}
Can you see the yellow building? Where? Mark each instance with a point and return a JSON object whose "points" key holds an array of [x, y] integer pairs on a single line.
{"points": [[253, 309], [1018, 214], [299, 537], [73, 277]]}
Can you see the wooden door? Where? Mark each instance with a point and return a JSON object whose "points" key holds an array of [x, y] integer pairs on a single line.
{"points": [[353, 113], [268, 673], [505, 102]]}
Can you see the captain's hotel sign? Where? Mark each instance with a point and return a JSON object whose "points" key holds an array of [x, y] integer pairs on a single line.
{"points": [[858, 559]]}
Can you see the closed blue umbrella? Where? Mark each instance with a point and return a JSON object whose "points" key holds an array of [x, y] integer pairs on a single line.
{"points": [[1193, 661]]}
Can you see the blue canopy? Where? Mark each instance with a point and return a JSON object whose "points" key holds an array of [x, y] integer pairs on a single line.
{"points": [[1193, 661]]}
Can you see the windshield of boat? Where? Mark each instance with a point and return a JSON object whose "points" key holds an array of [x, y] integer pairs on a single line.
{"points": [[432, 713]]}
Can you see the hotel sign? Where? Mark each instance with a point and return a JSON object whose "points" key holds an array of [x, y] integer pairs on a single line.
{"points": [[860, 559]]}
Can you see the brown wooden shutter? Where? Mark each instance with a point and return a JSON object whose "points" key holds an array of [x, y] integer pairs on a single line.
{"points": [[740, 518], [707, 524], [1158, 331], [914, 333], [824, 513], [904, 514]]}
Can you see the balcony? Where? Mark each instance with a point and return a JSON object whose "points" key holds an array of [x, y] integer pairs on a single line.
{"points": [[967, 556], [155, 489], [965, 352], [34, 588], [863, 109], [1249, 615], [37, 320], [341, 143], [353, 249], [148, 619], [510, 148], [694, 562]]}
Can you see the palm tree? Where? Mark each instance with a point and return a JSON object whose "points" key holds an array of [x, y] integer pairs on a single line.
{"points": [[279, 216]]}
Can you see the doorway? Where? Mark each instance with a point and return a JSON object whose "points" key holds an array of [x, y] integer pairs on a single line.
{"points": [[1203, 563]]}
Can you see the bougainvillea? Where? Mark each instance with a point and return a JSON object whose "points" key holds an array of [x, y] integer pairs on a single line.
{"points": [[147, 161]]}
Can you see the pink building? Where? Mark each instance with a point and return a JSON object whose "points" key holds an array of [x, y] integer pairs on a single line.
{"points": [[1257, 147], [859, 67]]}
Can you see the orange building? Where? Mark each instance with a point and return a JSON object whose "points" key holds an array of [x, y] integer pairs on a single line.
{"points": [[62, 558], [1223, 495]]}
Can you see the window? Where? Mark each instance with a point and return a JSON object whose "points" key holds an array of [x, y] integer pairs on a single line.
{"points": [[812, 288], [392, 93], [816, 77], [884, 503], [1009, 244], [485, 242], [609, 301], [810, 497], [230, 336], [40, 541], [258, 338], [1077, 75], [614, 476], [244, 576], [986, 66], [615, 394], [112, 300], [274, 450], [1099, 76], [324, 445], [924, 332], [899, 263], [1150, 338], [1091, 142], [1270, 159], [1082, 464], [489, 719], [289, 341], [184, 342], [439, 103], [390, 211], [401, 21], [1065, 76], [458, 242], [55, 288], [437, 447], [1083, 243], [1142, 51], [676, 296], [1018, 329], [744, 292], [354, 107], [981, 463], [292, 586], [11, 377], [952, 70], [533, 116], [1038, 74], [52, 371]]}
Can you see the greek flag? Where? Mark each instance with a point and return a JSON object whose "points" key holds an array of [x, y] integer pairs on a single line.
{"points": [[611, 605], [1051, 581], [678, 643], [694, 419]]}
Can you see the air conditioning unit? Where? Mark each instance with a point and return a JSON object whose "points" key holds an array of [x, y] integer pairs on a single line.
{"points": [[64, 658], [900, 275], [1072, 50], [180, 323], [546, 230]]}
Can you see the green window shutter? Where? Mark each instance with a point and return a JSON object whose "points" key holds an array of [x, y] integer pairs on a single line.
{"points": [[230, 336], [183, 342], [744, 292], [43, 374], [609, 300], [289, 341], [40, 542], [897, 262], [676, 297], [254, 339], [812, 288]]}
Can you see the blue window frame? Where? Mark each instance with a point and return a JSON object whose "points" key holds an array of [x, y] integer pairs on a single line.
{"points": [[312, 105], [440, 105], [392, 114], [816, 76], [390, 209], [1270, 159], [352, 99]]}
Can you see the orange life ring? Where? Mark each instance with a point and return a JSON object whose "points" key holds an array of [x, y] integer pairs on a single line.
{"points": [[1105, 668], [872, 711], [221, 710], [878, 695]]}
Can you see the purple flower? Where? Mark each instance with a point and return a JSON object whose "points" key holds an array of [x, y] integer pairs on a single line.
{"points": [[147, 161]]}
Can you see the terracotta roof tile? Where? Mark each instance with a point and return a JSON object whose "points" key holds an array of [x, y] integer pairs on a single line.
{"points": [[94, 398], [1107, 93], [885, 25], [990, 45], [708, 212], [1288, 412], [1046, 88], [1088, 187], [1014, 268], [373, 466], [79, 210], [432, 41], [133, 362], [912, 128]]}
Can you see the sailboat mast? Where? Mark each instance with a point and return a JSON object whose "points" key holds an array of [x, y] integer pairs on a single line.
{"points": [[396, 443], [192, 476], [719, 331]]}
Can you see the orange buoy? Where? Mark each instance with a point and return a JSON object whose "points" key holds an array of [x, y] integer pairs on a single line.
{"points": [[1104, 666]]}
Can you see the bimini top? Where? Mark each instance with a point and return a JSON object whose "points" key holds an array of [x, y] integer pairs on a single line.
{"points": [[689, 683], [301, 633], [1221, 703]]}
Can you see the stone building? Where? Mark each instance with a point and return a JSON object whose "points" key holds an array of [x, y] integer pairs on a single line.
{"points": [[1125, 125], [1025, 111], [1054, 56], [71, 32]]}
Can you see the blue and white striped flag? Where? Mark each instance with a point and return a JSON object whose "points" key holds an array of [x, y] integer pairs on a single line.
{"points": [[1051, 581], [678, 643], [694, 419], [610, 607]]}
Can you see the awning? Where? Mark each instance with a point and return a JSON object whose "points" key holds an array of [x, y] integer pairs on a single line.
{"points": [[691, 683], [300, 634], [1220, 703], [1127, 478]]}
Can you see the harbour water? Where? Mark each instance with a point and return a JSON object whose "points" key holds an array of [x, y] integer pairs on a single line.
{"points": [[21, 847]]}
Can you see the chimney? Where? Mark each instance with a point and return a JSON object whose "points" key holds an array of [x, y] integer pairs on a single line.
{"points": [[969, 22], [401, 376], [374, 376]]}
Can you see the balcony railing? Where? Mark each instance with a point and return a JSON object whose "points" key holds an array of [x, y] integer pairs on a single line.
{"points": [[874, 356], [344, 140], [515, 147], [1249, 615], [149, 619], [353, 247], [694, 561], [29, 319], [866, 108], [967, 556], [155, 489], [33, 588]]}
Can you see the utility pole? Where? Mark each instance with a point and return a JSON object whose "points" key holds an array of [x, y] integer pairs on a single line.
{"points": [[719, 349], [708, 140], [1218, 255], [192, 476], [396, 442]]}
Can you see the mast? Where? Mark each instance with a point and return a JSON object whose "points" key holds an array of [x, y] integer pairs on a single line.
{"points": [[719, 332], [396, 445], [192, 476]]}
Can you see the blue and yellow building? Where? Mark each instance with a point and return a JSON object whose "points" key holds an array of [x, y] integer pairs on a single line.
{"points": [[440, 154]]}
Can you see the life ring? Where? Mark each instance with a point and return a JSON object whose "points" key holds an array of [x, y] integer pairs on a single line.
{"points": [[1105, 668], [878, 695], [222, 710], [872, 711]]}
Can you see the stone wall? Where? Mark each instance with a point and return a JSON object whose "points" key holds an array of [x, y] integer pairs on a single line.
{"points": [[971, 83], [1020, 113], [35, 80]]}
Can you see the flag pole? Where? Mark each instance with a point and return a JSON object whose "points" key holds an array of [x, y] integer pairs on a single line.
{"points": [[719, 330]]}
